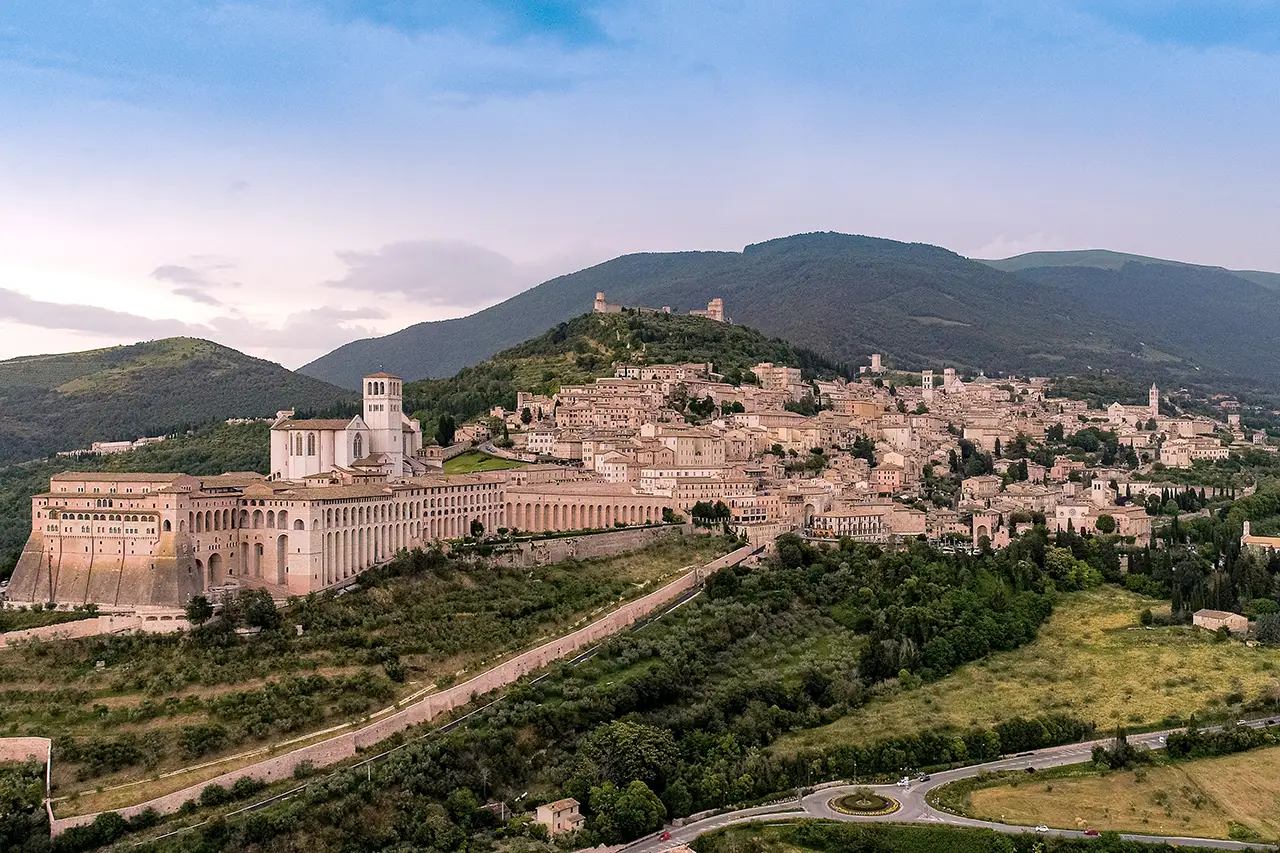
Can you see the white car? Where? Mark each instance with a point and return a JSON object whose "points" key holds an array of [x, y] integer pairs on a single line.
{"points": [[1042, 828], [904, 782]]}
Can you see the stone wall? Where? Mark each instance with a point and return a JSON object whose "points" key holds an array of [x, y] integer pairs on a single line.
{"points": [[539, 552], [106, 624], [344, 746]]}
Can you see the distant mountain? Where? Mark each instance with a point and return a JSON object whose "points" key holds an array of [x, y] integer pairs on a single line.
{"points": [[64, 402], [586, 347], [1109, 260], [844, 296]]}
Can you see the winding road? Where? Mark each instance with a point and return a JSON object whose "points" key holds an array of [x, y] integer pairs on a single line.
{"points": [[915, 805]]}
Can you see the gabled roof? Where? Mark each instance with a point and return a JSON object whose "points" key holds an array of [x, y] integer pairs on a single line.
{"points": [[320, 424]]}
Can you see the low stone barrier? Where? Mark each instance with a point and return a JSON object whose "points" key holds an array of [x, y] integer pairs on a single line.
{"points": [[95, 625], [344, 746], [555, 549]]}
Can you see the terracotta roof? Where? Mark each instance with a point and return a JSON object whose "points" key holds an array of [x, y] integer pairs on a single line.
{"points": [[316, 423], [107, 477], [381, 376]]}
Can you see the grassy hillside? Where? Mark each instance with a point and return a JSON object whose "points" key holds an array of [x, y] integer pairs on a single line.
{"points": [[586, 347], [65, 402], [847, 296], [208, 450]]}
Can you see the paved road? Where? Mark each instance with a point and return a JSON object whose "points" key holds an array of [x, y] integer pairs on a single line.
{"points": [[915, 806]]}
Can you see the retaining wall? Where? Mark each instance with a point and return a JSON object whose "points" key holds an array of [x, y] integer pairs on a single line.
{"points": [[344, 746], [105, 624], [607, 543]]}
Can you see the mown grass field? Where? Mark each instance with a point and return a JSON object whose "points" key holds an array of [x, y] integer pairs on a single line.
{"points": [[160, 703], [473, 461], [1091, 660], [1236, 796]]}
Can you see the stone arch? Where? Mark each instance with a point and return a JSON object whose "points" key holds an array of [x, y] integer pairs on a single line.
{"points": [[282, 519], [257, 519], [168, 526], [271, 518], [297, 524], [215, 568]]}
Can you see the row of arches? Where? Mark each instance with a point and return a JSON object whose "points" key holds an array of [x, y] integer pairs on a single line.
{"points": [[266, 561], [228, 519], [540, 516], [349, 552], [378, 512]]}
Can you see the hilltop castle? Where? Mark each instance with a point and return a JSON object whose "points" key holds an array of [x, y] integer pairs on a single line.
{"points": [[714, 309]]}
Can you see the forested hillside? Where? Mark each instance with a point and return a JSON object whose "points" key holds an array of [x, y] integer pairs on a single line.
{"points": [[207, 450], [586, 347], [65, 402], [847, 296]]}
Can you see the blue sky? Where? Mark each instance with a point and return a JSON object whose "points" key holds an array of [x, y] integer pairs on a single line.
{"points": [[284, 175]]}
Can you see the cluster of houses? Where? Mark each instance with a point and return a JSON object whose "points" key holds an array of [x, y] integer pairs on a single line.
{"points": [[749, 448]]}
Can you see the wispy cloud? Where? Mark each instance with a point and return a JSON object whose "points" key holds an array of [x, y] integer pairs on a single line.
{"points": [[195, 282], [437, 272]]}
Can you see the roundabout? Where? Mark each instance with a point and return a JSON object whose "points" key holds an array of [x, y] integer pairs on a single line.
{"points": [[864, 803]]}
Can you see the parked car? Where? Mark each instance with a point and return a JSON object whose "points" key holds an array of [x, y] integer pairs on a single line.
{"points": [[1091, 832], [1042, 828]]}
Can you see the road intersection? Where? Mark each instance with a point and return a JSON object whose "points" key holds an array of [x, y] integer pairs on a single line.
{"points": [[915, 807]]}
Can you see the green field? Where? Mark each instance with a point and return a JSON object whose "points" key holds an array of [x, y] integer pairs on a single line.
{"points": [[473, 461], [813, 836], [1236, 796], [156, 703], [1091, 661]]}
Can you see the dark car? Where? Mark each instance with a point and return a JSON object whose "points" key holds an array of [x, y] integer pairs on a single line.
{"points": [[1091, 832]]}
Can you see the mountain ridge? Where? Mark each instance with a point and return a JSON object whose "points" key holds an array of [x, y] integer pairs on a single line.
{"points": [[66, 401], [847, 296]]}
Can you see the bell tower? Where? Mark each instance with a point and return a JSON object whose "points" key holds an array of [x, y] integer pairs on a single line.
{"points": [[384, 414], [1153, 401]]}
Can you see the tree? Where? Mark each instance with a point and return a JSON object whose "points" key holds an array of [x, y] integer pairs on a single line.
{"points": [[445, 429], [258, 610], [199, 610], [477, 528], [1105, 523], [1267, 628], [623, 751], [526, 416], [627, 814]]}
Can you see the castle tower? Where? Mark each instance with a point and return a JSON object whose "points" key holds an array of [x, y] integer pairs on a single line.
{"points": [[600, 306], [384, 414], [1153, 400], [715, 310], [876, 367], [926, 385]]}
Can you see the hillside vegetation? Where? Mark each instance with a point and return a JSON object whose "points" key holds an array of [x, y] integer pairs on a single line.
{"points": [[587, 346], [205, 451], [65, 402], [847, 296]]}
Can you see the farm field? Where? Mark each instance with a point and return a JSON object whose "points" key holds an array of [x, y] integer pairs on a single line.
{"points": [[473, 461], [157, 703], [1235, 796], [1091, 660]]}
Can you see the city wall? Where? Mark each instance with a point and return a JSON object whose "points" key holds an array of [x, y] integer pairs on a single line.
{"points": [[93, 626], [345, 746]]}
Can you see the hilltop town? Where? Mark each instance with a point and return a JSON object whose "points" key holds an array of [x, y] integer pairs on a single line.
{"points": [[886, 457]]}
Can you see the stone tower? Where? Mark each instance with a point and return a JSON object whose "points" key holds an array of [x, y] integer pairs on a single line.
{"points": [[384, 415], [926, 385], [1153, 401]]}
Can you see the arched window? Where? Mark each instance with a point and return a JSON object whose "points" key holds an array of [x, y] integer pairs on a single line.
{"points": [[370, 391], [357, 447], [167, 526], [311, 444]]}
